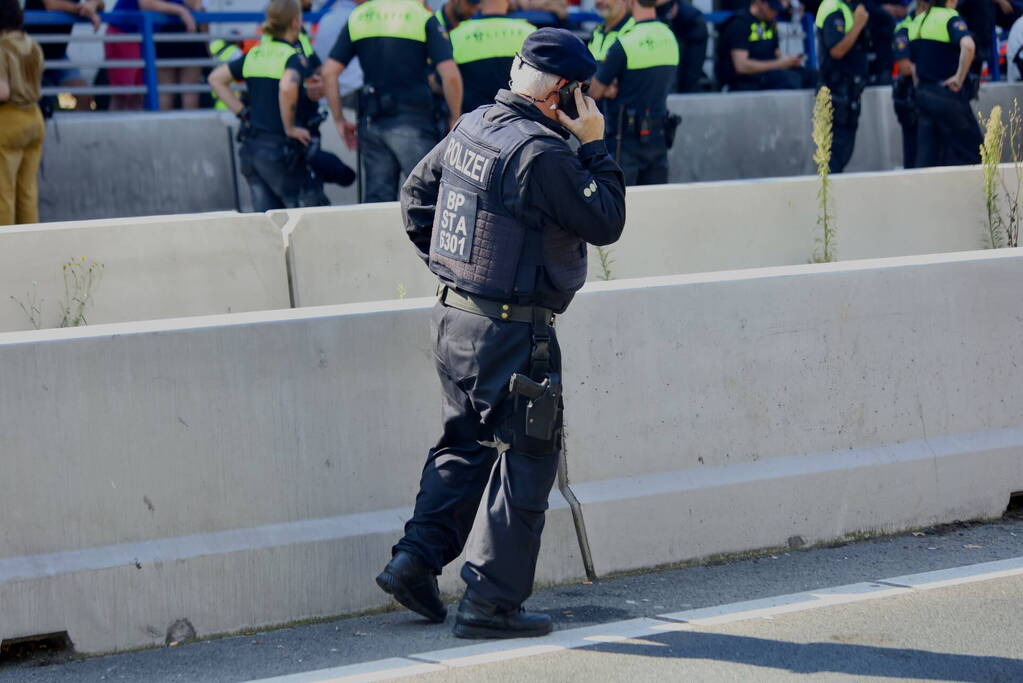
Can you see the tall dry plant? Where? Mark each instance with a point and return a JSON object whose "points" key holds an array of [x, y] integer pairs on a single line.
{"points": [[1014, 194], [823, 115], [990, 157]]}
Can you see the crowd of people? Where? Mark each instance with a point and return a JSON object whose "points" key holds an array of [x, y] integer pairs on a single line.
{"points": [[458, 57]]}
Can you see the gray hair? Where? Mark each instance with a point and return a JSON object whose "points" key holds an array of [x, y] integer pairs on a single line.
{"points": [[526, 80]]}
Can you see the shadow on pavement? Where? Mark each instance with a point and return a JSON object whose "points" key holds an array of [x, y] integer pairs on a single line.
{"points": [[812, 658]]}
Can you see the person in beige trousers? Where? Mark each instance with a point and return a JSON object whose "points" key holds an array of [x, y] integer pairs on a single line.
{"points": [[21, 121]]}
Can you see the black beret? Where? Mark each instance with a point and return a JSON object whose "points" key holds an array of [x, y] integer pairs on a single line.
{"points": [[557, 51]]}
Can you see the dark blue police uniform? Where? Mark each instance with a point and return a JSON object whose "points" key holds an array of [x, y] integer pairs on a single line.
{"points": [[272, 164], [904, 95], [947, 131], [395, 41], [644, 61], [501, 210], [845, 77]]}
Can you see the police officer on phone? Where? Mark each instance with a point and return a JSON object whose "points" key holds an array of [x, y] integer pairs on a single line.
{"points": [[501, 211], [644, 63]]}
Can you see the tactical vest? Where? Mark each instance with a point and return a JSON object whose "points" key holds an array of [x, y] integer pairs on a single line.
{"points": [[829, 7], [478, 245], [932, 25], [389, 19], [601, 42], [267, 60], [488, 38], [649, 44]]}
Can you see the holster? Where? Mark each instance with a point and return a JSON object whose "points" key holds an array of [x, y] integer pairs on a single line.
{"points": [[542, 388], [671, 124], [374, 104], [971, 87], [904, 101]]}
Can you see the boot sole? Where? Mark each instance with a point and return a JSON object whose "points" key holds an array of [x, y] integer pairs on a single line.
{"points": [[392, 587], [484, 632]]}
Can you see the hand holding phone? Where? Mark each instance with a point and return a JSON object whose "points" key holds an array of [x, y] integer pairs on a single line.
{"points": [[585, 122]]}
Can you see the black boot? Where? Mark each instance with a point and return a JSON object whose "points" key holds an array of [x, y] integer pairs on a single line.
{"points": [[414, 585], [478, 618]]}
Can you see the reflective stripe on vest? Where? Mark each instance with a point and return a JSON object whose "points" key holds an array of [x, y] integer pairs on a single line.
{"points": [[601, 42], [389, 19], [932, 25], [649, 44], [761, 31], [267, 60], [829, 7], [488, 38]]}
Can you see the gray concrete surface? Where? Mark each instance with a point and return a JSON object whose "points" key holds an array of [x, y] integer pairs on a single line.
{"points": [[361, 253], [110, 165], [192, 464], [148, 268], [98, 166], [313, 647]]}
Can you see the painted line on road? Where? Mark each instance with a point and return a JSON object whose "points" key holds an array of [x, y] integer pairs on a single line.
{"points": [[633, 629]]}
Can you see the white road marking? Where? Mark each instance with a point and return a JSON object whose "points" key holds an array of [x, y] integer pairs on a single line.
{"points": [[636, 629]]}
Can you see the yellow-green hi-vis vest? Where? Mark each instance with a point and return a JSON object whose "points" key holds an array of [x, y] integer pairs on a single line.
{"points": [[223, 52], [649, 44], [932, 25], [829, 7], [267, 60], [488, 38], [601, 42], [389, 19], [303, 42]]}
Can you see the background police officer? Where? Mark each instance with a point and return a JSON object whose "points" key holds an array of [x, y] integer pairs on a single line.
{"points": [[904, 92], [275, 169], [395, 41], [942, 51], [749, 52], [644, 62], [501, 210], [483, 48], [843, 71], [617, 19], [454, 12]]}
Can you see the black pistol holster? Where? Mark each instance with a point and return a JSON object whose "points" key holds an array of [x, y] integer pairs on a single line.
{"points": [[904, 100], [543, 407]]}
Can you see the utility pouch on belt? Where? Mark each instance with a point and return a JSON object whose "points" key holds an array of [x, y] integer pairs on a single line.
{"points": [[542, 408], [971, 87]]}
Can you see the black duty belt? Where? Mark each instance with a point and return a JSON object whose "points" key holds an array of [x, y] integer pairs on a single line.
{"points": [[471, 303]]}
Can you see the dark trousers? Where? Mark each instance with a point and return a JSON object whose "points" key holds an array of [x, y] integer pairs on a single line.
{"points": [[910, 134], [475, 357], [274, 181], [845, 101], [390, 148], [690, 65], [644, 163], [947, 132]]}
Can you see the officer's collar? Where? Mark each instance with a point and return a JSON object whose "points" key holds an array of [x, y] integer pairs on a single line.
{"points": [[524, 107]]}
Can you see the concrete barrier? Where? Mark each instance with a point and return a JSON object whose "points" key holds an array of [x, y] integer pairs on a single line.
{"points": [[767, 134], [711, 414], [112, 165], [340, 255], [155, 267], [232, 471], [98, 165]]}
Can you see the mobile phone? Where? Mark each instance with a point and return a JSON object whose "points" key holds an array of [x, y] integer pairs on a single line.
{"points": [[566, 98]]}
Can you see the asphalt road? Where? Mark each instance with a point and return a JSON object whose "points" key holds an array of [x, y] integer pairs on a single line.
{"points": [[928, 629]]}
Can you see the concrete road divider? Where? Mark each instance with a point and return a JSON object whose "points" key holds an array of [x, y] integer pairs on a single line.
{"points": [[721, 413], [210, 475], [341, 255], [153, 267]]}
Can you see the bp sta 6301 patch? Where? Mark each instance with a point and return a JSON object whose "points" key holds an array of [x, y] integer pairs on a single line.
{"points": [[455, 223]]}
